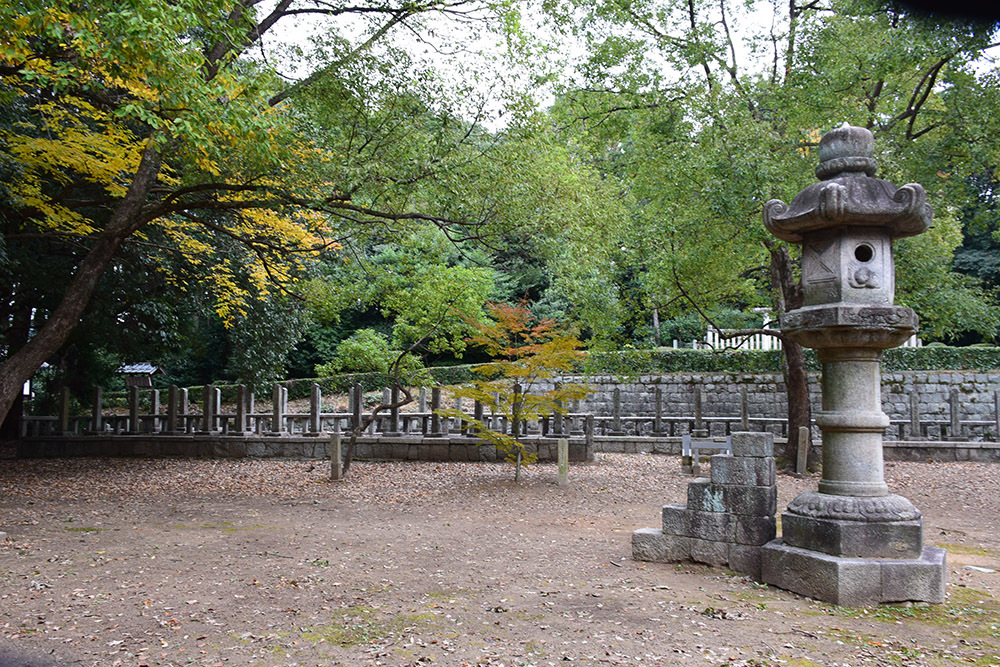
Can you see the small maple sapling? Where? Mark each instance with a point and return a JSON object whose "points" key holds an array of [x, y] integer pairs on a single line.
{"points": [[526, 352]]}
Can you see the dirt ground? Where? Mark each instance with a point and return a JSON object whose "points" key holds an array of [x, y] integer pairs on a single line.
{"points": [[179, 562]]}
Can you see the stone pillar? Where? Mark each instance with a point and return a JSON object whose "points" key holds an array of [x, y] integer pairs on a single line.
{"points": [[96, 412], [315, 408], [852, 422], [699, 427], [240, 426], [915, 432], [184, 409], [477, 414], [133, 410], [744, 409], [954, 410], [208, 408], [277, 411], [562, 455], [435, 417], [357, 405], [172, 409], [658, 413], [616, 412], [336, 455], [394, 412], [154, 409]]}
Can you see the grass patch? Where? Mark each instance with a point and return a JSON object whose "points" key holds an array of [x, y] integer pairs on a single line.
{"points": [[83, 529], [360, 626], [968, 550]]}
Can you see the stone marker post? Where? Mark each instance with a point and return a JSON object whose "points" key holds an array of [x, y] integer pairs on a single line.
{"points": [[914, 415], [562, 455], [96, 420], [315, 408], [64, 410], [242, 402], [616, 412], [851, 542], [357, 405], [954, 414], [172, 409], [277, 414], [133, 409], [435, 417], [336, 456], [183, 399]]}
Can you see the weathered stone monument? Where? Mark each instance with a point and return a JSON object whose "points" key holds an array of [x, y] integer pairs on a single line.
{"points": [[728, 516], [851, 542]]}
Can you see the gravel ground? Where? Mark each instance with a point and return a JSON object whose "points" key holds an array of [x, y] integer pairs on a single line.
{"points": [[183, 562]]}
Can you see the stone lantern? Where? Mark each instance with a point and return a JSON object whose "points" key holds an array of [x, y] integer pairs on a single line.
{"points": [[851, 542]]}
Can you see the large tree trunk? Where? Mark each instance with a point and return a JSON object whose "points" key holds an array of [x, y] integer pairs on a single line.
{"points": [[22, 364], [788, 296]]}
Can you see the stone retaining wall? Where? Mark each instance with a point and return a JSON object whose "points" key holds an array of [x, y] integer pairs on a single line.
{"points": [[722, 395], [227, 447], [420, 449]]}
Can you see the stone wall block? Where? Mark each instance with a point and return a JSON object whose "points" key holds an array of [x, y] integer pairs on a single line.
{"points": [[750, 500], [922, 580], [704, 496], [714, 526], [753, 530], [709, 552], [745, 470], [652, 545], [745, 560], [676, 520], [753, 444]]}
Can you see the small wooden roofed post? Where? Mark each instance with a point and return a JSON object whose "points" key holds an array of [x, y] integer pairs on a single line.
{"points": [[140, 374]]}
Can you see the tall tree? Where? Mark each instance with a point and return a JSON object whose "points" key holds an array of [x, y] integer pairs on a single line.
{"points": [[146, 123], [704, 116]]}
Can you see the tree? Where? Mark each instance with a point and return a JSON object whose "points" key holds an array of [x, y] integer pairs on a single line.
{"points": [[702, 128], [527, 352], [147, 124]]}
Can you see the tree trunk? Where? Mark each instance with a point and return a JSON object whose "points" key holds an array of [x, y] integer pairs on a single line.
{"points": [[788, 296], [22, 364]]}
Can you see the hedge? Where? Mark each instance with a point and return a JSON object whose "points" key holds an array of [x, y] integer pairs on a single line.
{"points": [[644, 362]]}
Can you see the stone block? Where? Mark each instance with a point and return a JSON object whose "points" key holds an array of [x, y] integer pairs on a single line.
{"points": [[709, 552], [458, 452], [704, 496], [400, 451], [921, 580], [381, 450], [746, 443], [715, 526], [744, 470], [652, 545], [854, 539], [751, 500], [438, 452], [745, 559], [849, 582], [676, 520], [753, 530]]}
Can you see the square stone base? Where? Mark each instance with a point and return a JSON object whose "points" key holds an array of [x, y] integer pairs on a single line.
{"points": [[854, 581], [854, 539]]}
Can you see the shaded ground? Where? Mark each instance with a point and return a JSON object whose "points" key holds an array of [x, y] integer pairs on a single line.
{"points": [[265, 563]]}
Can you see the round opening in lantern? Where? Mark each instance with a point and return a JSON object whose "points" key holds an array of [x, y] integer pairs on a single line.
{"points": [[864, 253]]}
